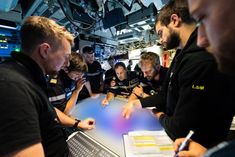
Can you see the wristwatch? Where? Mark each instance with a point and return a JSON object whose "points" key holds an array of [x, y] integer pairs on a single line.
{"points": [[76, 123]]}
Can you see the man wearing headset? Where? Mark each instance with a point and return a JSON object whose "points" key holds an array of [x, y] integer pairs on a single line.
{"points": [[152, 77]]}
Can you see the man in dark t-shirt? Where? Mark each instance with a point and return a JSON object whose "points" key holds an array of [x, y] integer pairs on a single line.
{"points": [[30, 126], [109, 74], [94, 75], [64, 88]]}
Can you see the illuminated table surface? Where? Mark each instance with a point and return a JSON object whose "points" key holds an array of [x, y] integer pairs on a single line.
{"points": [[110, 125]]}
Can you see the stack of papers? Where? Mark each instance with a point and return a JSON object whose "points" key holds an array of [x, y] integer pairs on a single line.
{"points": [[148, 144]]}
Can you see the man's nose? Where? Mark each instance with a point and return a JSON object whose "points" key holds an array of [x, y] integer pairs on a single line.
{"points": [[67, 63], [160, 41], [145, 75], [202, 39]]}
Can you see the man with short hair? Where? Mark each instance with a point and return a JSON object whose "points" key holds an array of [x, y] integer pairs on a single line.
{"points": [[194, 86], [29, 124], [64, 88], [216, 28], [95, 72], [122, 83], [109, 74]]}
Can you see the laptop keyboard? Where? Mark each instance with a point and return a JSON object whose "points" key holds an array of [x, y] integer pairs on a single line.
{"points": [[80, 145]]}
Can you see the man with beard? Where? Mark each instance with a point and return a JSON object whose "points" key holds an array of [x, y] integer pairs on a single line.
{"points": [[153, 76], [194, 87], [216, 29]]}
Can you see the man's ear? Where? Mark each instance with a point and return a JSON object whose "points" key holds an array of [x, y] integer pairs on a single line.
{"points": [[176, 20], [157, 67], [44, 49]]}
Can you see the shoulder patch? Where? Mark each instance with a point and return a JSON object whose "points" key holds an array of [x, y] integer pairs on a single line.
{"points": [[53, 81]]}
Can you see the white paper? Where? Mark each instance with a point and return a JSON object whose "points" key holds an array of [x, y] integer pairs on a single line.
{"points": [[148, 144]]}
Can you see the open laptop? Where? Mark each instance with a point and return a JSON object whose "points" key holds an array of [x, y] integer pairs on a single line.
{"points": [[82, 145]]}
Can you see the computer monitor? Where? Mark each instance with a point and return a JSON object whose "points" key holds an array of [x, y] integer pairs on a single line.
{"points": [[9, 41]]}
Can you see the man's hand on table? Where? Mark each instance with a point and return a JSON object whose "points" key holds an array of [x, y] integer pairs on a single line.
{"points": [[87, 124], [105, 102], [129, 108]]}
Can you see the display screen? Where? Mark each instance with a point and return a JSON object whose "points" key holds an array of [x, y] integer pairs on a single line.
{"points": [[110, 125], [109, 118], [103, 51], [9, 41]]}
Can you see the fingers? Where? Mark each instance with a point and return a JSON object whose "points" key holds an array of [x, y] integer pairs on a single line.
{"points": [[177, 143], [137, 90], [94, 96], [81, 81], [186, 154], [105, 102], [126, 112], [90, 123]]}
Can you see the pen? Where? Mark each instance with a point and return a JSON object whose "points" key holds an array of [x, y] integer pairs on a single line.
{"points": [[184, 143]]}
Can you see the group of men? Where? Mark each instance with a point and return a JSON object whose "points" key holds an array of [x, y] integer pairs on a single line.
{"points": [[194, 87], [195, 95], [131, 85]]}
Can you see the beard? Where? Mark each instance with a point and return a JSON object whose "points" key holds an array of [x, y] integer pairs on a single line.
{"points": [[173, 40], [155, 73]]}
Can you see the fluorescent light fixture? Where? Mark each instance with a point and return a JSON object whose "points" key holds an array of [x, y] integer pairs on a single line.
{"points": [[146, 27], [128, 40], [8, 27], [137, 29], [141, 23], [132, 25], [123, 31]]}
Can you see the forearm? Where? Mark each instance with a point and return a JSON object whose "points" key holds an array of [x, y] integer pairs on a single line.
{"points": [[64, 119], [72, 101], [35, 149], [137, 103], [101, 84], [132, 97], [157, 101], [174, 127], [88, 87]]}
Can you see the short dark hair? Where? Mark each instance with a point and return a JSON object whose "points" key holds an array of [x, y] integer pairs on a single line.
{"points": [[77, 63], [87, 49], [179, 7], [120, 64]]}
